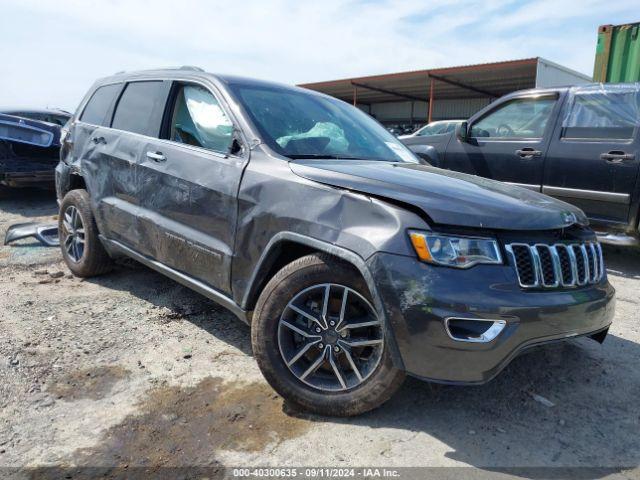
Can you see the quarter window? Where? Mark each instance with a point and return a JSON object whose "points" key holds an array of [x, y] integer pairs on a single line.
{"points": [[140, 108], [603, 115], [95, 112], [199, 120], [519, 118]]}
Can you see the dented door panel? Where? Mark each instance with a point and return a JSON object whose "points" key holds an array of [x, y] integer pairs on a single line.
{"points": [[189, 209], [109, 166]]}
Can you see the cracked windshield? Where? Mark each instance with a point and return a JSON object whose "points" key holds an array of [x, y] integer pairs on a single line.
{"points": [[306, 125]]}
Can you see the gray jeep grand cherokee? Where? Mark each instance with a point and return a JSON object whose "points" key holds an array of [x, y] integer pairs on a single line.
{"points": [[354, 263]]}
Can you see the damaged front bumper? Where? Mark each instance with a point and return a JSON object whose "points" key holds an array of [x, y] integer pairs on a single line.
{"points": [[45, 233], [433, 312]]}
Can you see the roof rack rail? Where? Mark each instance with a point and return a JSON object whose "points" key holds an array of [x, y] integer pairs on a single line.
{"points": [[183, 67]]}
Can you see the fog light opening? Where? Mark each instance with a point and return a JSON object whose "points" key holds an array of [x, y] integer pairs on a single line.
{"points": [[473, 329]]}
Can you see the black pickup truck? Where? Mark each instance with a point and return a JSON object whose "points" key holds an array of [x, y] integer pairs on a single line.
{"points": [[579, 144]]}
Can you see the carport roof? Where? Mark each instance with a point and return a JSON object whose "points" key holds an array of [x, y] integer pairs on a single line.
{"points": [[467, 81]]}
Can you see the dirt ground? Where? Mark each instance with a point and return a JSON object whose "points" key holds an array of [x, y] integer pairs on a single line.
{"points": [[132, 369]]}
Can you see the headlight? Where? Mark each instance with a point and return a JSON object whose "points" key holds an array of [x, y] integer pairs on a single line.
{"points": [[454, 251]]}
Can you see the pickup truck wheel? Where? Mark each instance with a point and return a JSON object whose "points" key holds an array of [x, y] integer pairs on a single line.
{"points": [[81, 248], [320, 342]]}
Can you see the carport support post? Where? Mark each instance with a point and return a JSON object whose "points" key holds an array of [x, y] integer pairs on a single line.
{"points": [[355, 95], [431, 80]]}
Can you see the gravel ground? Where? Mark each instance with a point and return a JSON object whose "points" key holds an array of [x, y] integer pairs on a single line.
{"points": [[131, 369]]}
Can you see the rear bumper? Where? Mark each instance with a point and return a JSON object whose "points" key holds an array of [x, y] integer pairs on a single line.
{"points": [[27, 171], [27, 179], [418, 298]]}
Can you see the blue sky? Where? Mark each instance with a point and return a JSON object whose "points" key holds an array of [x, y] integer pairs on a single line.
{"points": [[51, 51]]}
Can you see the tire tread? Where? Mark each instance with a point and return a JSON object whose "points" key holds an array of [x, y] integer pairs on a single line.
{"points": [[96, 260], [377, 389]]}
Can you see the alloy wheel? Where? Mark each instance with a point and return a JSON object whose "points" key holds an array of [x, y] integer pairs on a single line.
{"points": [[73, 234], [330, 337]]}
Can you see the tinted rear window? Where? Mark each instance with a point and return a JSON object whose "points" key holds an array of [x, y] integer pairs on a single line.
{"points": [[98, 105], [140, 108], [603, 114]]}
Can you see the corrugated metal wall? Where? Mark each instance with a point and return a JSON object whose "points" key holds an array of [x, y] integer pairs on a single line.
{"points": [[399, 111], [548, 74], [459, 108], [442, 110]]}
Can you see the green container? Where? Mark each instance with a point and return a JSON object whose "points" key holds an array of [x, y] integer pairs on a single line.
{"points": [[618, 54]]}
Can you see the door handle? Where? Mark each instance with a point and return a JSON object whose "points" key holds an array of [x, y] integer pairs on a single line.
{"points": [[99, 140], [617, 156], [156, 156], [528, 152]]}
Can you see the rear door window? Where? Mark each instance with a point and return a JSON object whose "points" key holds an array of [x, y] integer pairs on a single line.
{"points": [[95, 112], [603, 114], [140, 108]]}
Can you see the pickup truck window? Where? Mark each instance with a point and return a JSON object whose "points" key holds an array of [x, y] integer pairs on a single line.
{"points": [[599, 114], [199, 120], [434, 129], [518, 118]]}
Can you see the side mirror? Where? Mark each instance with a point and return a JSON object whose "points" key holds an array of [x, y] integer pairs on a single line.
{"points": [[427, 154], [235, 148], [462, 132]]}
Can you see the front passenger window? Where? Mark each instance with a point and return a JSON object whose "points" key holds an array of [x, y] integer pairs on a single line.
{"points": [[199, 120], [519, 118]]}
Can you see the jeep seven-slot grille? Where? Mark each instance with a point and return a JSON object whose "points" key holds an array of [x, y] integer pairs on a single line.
{"points": [[559, 265]]}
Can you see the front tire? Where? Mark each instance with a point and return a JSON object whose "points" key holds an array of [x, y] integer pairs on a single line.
{"points": [[319, 342], [81, 248]]}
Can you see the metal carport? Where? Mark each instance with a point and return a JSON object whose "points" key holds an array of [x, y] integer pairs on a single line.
{"points": [[440, 93]]}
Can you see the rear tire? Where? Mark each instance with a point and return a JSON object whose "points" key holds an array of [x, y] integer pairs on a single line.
{"points": [[81, 248], [334, 389]]}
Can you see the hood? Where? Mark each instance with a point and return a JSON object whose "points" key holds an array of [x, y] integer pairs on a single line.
{"points": [[448, 198]]}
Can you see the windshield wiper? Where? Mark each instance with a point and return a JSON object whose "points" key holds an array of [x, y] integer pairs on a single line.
{"points": [[330, 157], [318, 155]]}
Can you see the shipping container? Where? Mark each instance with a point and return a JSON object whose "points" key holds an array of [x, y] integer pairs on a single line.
{"points": [[618, 54]]}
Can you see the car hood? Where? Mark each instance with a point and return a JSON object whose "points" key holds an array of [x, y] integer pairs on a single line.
{"points": [[446, 197]]}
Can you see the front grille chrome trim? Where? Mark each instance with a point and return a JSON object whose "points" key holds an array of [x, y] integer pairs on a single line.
{"points": [[585, 264], [572, 265], [595, 274], [537, 248], [585, 261], [600, 260], [510, 249], [557, 269]]}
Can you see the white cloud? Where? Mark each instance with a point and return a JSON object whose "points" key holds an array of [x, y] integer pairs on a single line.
{"points": [[52, 50]]}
